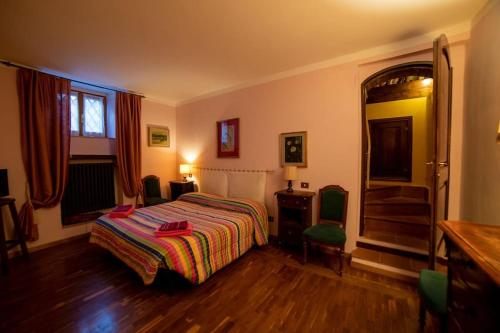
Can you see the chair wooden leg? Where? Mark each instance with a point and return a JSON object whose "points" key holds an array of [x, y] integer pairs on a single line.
{"points": [[17, 228], [304, 259], [3, 248], [341, 261], [443, 322], [421, 316]]}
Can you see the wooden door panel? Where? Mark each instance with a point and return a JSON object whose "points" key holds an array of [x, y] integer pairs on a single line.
{"points": [[391, 149], [442, 73]]}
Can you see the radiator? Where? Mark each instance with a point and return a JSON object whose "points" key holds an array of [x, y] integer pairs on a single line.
{"points": [[90, 187]]}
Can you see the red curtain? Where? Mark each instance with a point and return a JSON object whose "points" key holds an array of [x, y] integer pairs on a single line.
{"points": [[44, 102], [128, 142]]}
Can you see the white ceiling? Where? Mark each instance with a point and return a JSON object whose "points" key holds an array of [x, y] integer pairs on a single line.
{"points": [[179, 49]]}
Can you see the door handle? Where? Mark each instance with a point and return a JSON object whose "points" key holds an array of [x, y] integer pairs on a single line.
{"points": [[431, 163], [443, 164]]}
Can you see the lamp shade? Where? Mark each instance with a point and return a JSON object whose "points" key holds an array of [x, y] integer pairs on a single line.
{"points": [[184, 169], [290, 173]]}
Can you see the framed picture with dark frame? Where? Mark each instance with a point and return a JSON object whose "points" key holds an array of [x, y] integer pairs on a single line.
{"points": [[228, 138], [293, 149], [158, 136]]}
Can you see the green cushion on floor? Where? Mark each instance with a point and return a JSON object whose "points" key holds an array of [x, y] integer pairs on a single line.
{"points": [[433, 289], [326, 233]]}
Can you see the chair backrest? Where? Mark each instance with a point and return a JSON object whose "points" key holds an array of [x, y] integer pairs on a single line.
{"points": [[332, 203], [151, 187]]}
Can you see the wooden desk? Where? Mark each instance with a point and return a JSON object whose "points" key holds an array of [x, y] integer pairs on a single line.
{"points": [[473, 276], [5, 245]]}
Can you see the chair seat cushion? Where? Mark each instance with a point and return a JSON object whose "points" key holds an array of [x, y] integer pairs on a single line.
{"points": [[326, 233], [154, 201], [433, 288]]}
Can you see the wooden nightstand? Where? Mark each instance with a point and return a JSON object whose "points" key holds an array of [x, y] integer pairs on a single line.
{"points": [[178, 188], [294, 215]]}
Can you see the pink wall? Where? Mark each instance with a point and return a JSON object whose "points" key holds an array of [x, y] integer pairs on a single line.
{"points": [[481, 195], [325, 103], [159, 161]]}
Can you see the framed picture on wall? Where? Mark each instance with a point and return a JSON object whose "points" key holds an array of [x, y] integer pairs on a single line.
{"points": [[158, 136], [293, 149], [228, 138]]}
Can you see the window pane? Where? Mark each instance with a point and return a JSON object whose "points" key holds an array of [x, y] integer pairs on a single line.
{"points": [[75, 123], [93, 115]]}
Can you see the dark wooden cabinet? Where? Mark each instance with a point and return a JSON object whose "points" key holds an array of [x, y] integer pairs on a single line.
{"points": [[294, 215], [473, 276], [178, 188]]}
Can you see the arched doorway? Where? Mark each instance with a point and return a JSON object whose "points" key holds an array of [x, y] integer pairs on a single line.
{"points": [[397, 144]]}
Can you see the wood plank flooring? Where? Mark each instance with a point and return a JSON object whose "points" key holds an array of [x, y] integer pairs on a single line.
{"points": [[78, 287]]}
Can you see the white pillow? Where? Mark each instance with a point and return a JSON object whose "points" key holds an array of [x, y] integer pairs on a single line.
{"points": [[250, 185], [213, 182]]}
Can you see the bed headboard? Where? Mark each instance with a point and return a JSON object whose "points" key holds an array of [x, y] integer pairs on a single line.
{"points": [[235, 183]]}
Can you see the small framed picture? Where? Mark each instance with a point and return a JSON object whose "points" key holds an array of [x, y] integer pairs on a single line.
{"points": [[228, 138], [158, 136], [293, 149]]}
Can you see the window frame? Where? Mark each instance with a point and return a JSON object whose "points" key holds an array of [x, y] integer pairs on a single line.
{"points": [[80, 94]]}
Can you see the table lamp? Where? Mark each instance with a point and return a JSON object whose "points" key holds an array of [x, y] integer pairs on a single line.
{"points": [[290, 173], [185, 169]]}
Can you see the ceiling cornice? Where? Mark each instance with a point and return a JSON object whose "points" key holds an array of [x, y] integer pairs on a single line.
{"points": [[455, 33]]}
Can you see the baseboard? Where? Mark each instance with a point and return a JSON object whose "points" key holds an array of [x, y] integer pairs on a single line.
{"points": [[17, 252]]}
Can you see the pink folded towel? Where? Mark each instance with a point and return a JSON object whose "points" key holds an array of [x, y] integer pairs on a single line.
{"points": [[188, 230], [121, 211], [174, 225]]}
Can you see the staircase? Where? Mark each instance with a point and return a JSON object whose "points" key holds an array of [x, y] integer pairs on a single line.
{"points": [[396, 231]]}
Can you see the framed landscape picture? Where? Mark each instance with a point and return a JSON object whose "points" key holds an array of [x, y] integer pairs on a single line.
{"points": [[293, 149], [158, 136], [228, 138]]}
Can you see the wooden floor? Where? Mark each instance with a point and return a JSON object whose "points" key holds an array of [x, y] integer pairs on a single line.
{"points": [[78, 287]]}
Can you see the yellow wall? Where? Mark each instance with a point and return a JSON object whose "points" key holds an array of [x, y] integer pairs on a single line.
{"points": [[417, 109]]}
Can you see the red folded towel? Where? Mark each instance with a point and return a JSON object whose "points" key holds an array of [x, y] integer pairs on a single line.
{"points": [[175, 232], [121, 211], [174, 225]]}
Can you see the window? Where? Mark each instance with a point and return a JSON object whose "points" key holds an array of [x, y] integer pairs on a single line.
{"points": [[88, 114]]}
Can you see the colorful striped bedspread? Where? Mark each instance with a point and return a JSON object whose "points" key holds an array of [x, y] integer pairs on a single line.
{"points": [[223, 230]]}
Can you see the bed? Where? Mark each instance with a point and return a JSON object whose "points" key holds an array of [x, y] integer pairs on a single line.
{"points": [[223, 230]]}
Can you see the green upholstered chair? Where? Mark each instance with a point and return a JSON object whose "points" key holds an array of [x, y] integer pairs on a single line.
{"points": [[151, 191], [329, 230], [433, 291]]}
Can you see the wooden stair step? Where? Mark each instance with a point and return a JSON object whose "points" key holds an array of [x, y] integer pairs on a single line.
{"points": [[397, 206], [381, 192], [407, 219], [396, 227], [396, 201], [388, 264], [399, 239]]}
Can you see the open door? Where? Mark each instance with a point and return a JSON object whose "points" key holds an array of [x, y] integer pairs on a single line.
{"points": [[442, 75]]}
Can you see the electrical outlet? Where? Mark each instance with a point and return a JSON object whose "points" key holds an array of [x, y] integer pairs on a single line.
{"points": [[270, 218], [304, 185]]}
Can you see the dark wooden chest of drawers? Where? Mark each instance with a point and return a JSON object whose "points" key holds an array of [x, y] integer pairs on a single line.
{"points": [[473, 280], [294, 215], [178, 188]]}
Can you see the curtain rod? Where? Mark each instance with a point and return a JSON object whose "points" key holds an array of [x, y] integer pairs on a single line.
{"points": [[13, 64]]}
